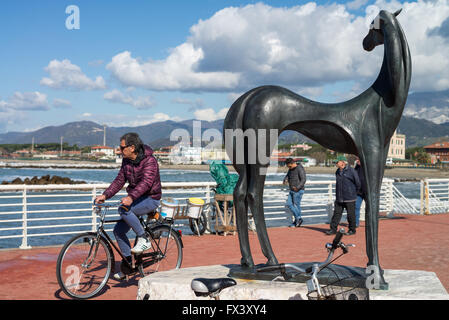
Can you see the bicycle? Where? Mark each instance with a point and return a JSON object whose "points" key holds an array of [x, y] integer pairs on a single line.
{"points": [[86, 261], [213, 287]]}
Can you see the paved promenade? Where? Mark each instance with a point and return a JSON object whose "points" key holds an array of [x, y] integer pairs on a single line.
{"points": [[411, 242]]}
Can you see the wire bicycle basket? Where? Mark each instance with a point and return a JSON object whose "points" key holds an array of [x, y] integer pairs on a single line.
{"points": [[339, 285]]}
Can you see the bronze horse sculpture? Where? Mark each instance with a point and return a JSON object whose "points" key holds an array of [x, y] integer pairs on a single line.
{"points": [[362, 126]]}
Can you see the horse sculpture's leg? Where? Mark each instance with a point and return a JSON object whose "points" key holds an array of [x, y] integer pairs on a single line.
{"points": [[255, 201], [373, 164], [241, 212]]}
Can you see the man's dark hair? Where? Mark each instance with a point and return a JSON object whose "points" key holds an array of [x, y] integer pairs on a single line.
{"points": [[133, 139], [289, 160]]}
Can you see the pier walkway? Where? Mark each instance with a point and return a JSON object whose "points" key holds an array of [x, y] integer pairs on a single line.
{"points": [[409, 242]]}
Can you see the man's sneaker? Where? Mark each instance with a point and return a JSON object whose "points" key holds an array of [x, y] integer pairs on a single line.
{"points": [[350, 233], [330, 232], [298, 222], [119, 276], [293, 224], [141, 245]]}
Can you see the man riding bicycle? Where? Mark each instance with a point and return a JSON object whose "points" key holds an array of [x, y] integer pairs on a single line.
{"points": [[141, 170]]}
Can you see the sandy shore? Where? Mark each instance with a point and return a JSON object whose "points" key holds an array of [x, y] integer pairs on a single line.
{"points": [[396, 173]]}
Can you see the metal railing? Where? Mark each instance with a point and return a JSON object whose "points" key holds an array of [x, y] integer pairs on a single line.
{"points": [[59, 210], [434, 196]]}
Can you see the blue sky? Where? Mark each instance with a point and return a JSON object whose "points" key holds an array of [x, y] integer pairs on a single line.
{"points": [[136, 62]]}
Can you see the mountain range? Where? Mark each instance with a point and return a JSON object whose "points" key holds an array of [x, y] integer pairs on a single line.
{"points": [[425, 120], [418, 132], [432, 106]]}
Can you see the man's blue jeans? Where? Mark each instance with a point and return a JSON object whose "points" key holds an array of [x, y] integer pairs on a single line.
{"points": [[141, 206], [358, 205], [294, 203]]}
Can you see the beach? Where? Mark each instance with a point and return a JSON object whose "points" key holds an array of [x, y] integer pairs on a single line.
{"points": [[399, 174]]}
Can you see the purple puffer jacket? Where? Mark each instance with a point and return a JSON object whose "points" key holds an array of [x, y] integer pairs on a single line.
{"points": [[143, 178]]}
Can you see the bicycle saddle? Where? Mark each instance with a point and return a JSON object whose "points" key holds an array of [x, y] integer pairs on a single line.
{"points": [[203, 286]]}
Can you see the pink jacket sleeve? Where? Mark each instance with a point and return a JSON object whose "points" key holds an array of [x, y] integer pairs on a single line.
{"points": [[116, 185]]}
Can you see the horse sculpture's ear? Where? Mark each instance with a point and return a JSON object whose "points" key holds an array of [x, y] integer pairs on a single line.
{"points": [[397, 12]]}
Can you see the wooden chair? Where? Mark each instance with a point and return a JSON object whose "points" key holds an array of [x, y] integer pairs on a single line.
{"points": [[225, 222]]}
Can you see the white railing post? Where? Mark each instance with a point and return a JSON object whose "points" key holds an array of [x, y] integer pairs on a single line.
{"points": [[24, 244], [208, 212], [426, 197], [421, 197], [447, 201], [94, 216], [329, 207], [390, 199]]}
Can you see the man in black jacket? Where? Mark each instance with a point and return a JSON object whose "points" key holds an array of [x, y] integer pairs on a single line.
{"points": [[296, 178], [346, 189]]}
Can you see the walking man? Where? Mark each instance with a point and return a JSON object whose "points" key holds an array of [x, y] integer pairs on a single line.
{"points": [[296, 179], [347, 186], [361, 195]]}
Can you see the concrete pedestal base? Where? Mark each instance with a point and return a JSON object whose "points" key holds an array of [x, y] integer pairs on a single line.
{"points": [[175, 285]]}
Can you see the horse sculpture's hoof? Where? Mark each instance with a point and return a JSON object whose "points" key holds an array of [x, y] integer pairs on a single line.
{"points": [[247, 263]]}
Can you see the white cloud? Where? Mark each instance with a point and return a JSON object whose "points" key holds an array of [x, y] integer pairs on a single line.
{"points": [[31, 101], [356, 4], [10, 120], [65, 75], [305, 46], [61, 103], [194, 104], [209, 114], [124, 120], [96, 63], [141, 102], [177, 72]]}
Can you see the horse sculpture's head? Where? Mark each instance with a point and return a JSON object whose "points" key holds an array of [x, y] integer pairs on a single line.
{"points": [[375, 35]]}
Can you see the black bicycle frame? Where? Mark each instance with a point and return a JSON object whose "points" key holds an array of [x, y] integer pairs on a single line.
{"points": [[104, 233]]}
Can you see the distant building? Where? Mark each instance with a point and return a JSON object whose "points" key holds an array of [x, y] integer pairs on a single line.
{"points": [[185, 154], [208, 155], [163, 154], [21, 153], [102, 151], [439, 152], [397, 146], [303, 146]]}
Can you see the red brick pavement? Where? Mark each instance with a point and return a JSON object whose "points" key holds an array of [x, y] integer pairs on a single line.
{"points": [[410, 243]]}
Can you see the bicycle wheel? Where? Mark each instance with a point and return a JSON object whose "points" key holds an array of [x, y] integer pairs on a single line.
{"points": [[169, 243], [84, 266], [201, 222]]}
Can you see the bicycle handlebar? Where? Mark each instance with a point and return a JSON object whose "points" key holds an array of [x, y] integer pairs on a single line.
{"points": [[337, 238], [104, 205]]}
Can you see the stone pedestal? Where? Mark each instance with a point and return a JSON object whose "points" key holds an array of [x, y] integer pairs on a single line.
{"points": [[175, 285]]}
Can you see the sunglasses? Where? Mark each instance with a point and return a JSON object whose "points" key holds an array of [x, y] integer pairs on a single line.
{"points": [[123, 147]]}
